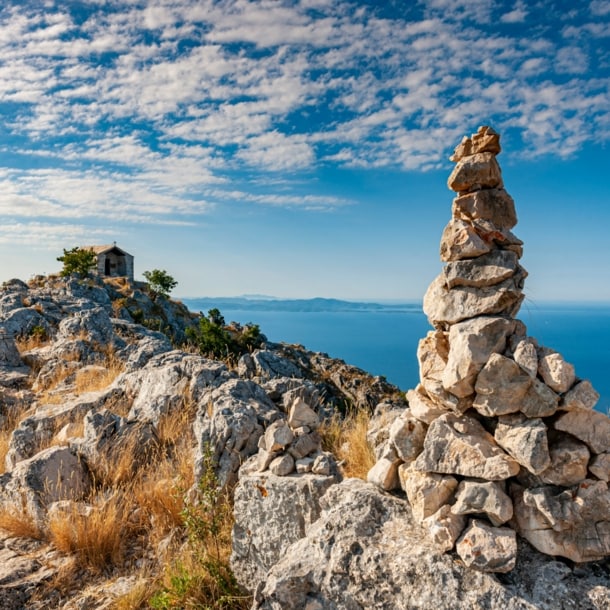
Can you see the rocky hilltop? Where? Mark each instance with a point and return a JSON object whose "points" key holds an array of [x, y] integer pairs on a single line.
{"points": [[139, 472], [109, 418]]}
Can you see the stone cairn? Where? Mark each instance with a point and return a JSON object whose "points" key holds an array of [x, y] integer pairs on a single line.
{"points": [[294, 445], [500, 437]]}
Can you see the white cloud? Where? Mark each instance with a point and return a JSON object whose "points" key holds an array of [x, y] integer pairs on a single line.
{"points": [[50, 236], [571, 60], [151, 103], [600, 8], [517, 15], [276, 151]]}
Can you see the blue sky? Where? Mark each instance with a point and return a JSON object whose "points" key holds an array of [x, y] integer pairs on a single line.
{"points": [[300, 149]]}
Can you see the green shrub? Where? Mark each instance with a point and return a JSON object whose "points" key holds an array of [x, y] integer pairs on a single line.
{"points": [[215, 340], [77, 260], [160, 282]]}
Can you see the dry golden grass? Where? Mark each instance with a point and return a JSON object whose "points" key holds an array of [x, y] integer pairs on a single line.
{"points": [[137, 598], [101, 536], [93, 379], [87, 379], [29, 342], [346, 439], [12, 416], [19, 525], [175, 425]]}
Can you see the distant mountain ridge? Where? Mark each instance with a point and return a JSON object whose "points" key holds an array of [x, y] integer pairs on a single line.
{"points": [[317, 304]]}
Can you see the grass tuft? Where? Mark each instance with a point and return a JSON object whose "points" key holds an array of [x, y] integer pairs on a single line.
{"points": [[20, 525], [98, 534], [345, 438]]}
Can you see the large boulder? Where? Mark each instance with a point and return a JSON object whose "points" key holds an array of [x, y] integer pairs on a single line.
{"points": [[54, 474], [271, 513], [114, 448], [366, 552], [167, 381]]}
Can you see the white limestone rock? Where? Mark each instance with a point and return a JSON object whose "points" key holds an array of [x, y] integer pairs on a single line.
{"points": [[500, 387], [569, 461], [474, 172], [448, 306], [278, 436], [572, 523], [303, 465], [432, 354], [444, 528], [494, 205], [539, 400], [106, 438], [323, 464], [407, 435], [282, 465], [483, 497], [525, 440], [51, 475], [422, 407], [365, 551], [460, 445], [485, 270], [9, 354], [271, 513], [599, 466], [591, 427], [229, 422], [486, 548], [471, 344], [264, 458], [555, 371], [384, 474], [304, 444], [582, 395], [426, 491], [461, 241], [525, 354], [269, 365], [301, 414]]}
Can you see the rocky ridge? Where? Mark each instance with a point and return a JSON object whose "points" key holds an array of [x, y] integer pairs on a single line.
{"points": [[500, 437]]}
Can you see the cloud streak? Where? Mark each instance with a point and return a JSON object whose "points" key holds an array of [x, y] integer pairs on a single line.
{"points": [[158, 104]]}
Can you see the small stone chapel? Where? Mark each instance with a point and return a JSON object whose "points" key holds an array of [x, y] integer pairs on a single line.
{"points": [[112, 261]]}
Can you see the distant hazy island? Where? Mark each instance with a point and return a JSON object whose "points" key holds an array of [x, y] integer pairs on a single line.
{"points": [[267, 303]]}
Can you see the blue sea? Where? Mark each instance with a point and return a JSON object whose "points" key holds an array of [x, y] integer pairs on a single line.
{"points": [[384, 342]]}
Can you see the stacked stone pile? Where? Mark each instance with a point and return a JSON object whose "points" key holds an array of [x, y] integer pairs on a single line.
{"points": [[500, 436], [294, 445]]}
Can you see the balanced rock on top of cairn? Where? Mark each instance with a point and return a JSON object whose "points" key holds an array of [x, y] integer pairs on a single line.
{"points": [[500, 437]]}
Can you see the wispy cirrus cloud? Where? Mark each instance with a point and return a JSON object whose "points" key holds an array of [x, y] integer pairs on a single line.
{"points": [[158, 103]]}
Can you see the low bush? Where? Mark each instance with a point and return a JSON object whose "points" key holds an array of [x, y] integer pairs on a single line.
{"points": [[216, 340]]}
